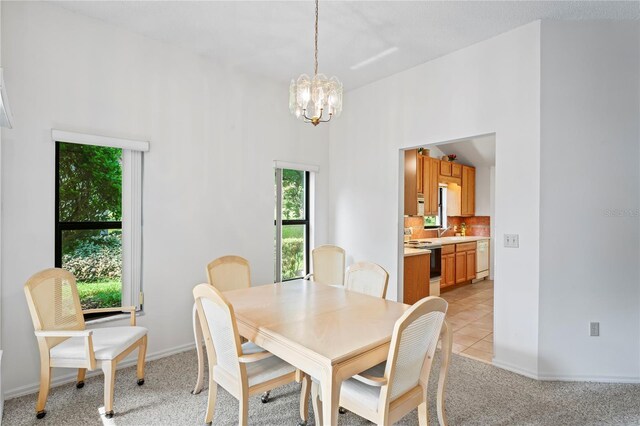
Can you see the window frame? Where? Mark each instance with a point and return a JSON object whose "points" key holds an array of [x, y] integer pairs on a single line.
{"points": [[279, 222]]}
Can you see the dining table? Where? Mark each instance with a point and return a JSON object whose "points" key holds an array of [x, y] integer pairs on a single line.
{"points": [[325, 331]]}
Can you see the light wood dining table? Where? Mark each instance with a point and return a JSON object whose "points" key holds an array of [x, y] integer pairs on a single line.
{"points": [[327, 332]]}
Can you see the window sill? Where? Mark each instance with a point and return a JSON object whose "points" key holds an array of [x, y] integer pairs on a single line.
{"points": [[111, 318]]}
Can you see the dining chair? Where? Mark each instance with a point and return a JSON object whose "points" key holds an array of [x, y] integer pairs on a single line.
{"points": [[224, 273], [388, 391], [328, 265], [242, 370], [368, 278], [64, 341]]}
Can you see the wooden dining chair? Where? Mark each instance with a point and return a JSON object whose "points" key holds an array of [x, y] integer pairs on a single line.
{"points": [[387, 392], [368, 278], [224, 273], [328, 265], [241, 369], [64, 341]]}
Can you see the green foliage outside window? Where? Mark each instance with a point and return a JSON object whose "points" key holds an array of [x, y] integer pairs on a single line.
{"points": [[90, 190], [293, 207]]}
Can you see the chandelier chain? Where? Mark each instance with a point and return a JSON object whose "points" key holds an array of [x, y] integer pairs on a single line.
{"points": [[315, 69]]}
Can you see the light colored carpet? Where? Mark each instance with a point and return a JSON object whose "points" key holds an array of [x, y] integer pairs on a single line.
{"points": [[478, 394]]}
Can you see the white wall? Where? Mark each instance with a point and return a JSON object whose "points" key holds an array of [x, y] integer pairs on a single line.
{"points": [[483, 191], [492, 86], [589, 268], [208, 179]]}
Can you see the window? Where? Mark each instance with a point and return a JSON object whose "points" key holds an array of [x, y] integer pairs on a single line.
{"points": [[98, 218], [439, 221], [292, 224]]}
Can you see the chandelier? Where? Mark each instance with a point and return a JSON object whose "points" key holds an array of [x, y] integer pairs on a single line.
{"points": [[315, 100]]}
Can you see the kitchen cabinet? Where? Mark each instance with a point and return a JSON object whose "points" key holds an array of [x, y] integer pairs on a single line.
{"points": [[458, 263], [416, 277], [411, 182], [468, 191], [445, 168], [448, 266], [420, 174], [456, 170], [430, 170]]}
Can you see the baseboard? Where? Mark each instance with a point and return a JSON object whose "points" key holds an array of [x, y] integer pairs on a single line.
{"points": [[515, 369], [596, 379], [70, 378]]}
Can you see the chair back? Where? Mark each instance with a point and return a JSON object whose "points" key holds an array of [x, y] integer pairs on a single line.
{"points": [[219, 328], [368, 278], [328, 264], [414, 341], [54, 304], [229, 273]]}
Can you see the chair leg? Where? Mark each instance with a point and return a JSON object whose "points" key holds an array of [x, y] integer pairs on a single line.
{"points": [[43, 394], [423, 414], [80, 380], [317, 404], [211, 402], [243, 410], [142, 352], [304, 399], [197, 334], [109, 370]]}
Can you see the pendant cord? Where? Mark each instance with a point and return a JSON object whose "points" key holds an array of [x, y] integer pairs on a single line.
{"points": [[315, 69]]}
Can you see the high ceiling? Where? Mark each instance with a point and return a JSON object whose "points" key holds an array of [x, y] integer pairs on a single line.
{"points": [[360, 41]]}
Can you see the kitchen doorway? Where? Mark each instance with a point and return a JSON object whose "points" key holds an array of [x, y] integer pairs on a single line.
{"points": [[448, 207]]}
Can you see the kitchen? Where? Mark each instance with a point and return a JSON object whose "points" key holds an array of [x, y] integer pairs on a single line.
{"points": [[448, 207]]}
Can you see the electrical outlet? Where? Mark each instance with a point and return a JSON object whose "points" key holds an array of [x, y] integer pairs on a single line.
{"points": [[512, 240], [594, 329]]}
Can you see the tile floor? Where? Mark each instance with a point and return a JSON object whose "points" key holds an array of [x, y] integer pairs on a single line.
{"points": [[471, 316]]}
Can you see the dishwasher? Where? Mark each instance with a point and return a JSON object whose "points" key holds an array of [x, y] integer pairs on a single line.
{"points": [[482, 259]]}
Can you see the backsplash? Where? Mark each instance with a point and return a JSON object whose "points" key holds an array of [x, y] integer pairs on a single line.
{"points": [[477, 226]]}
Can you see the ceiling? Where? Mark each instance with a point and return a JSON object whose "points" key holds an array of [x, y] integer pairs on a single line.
{"points": [[478, 152], [375, 38]]}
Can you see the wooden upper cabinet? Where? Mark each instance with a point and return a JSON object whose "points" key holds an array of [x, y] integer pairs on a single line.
{"points": [[411, 182], [445, 168], [468, 191], [456, 170], [433, 187], [420, 173]]}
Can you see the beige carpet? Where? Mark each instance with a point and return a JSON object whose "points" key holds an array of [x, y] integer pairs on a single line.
{"points": [[478, 394]]}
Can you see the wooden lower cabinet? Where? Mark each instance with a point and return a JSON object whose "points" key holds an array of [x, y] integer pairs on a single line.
{"points": [[416, 277], [458, 264], [448, 270], [461, 267]]}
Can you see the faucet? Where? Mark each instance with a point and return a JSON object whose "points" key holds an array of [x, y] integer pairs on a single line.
{"points": [[441, 231]]}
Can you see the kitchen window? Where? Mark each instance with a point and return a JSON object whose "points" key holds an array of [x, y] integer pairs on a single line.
{"points": [[292, 223], [98, 200]]}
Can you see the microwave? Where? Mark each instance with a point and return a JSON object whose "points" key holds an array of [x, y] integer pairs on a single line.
{"points": [[420, 205]]}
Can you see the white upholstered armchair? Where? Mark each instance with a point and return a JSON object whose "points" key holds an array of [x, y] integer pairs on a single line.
{"points": [[63, 340]]}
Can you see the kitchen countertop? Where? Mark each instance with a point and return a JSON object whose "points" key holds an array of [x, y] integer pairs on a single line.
{"points": [[408, 251], [452, 240]]}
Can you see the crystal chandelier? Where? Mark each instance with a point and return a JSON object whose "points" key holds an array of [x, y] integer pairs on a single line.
{"points": [[315, 100]]}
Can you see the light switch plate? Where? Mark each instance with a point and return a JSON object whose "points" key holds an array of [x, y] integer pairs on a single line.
{"points": [[512, 240], [594, 329]]}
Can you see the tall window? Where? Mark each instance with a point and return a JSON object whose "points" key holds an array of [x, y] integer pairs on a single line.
{"points": [[89, 221], [292, 225], [98, 216]]}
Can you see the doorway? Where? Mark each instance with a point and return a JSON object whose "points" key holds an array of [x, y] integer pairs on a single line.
{"points": [[455, 212]]}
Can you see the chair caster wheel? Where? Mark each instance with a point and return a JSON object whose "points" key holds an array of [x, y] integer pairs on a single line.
{"points": [[109, 414], [302, 423], [195, 393], [41, 414], [140, 382], [342, 410], [80, 385], [265, 397]]}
